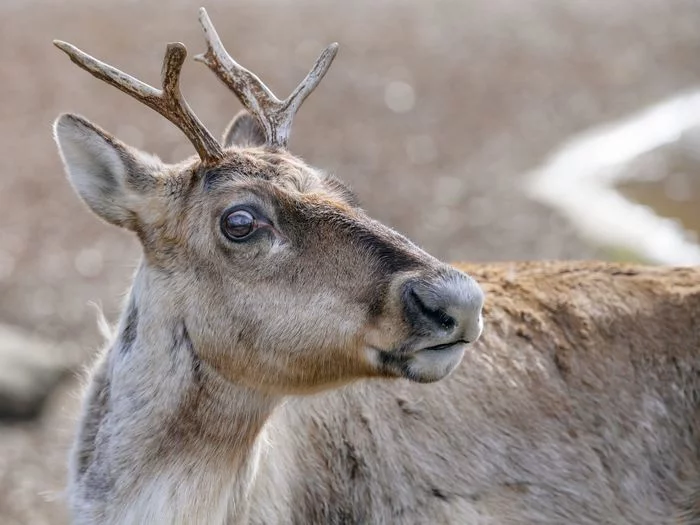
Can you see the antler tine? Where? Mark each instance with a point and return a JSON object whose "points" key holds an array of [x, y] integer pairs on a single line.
{"points": [[274, 115], [167, 101], [313, 78]]}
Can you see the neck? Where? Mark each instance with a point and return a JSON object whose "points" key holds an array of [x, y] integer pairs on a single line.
{"points": [[163, 437]]}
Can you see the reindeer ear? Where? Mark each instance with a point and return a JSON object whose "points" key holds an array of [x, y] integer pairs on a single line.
{"points": [[243, 131], [109, 176]]}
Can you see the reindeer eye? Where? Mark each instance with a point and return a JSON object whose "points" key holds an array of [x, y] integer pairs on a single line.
{"points": [[238, 224]]}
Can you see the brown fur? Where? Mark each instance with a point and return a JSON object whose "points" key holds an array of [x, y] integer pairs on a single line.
{"points": [[578, 405]]}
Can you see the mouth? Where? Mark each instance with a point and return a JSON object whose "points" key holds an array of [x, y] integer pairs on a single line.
{"points": [[445, 346], [424, 365]]}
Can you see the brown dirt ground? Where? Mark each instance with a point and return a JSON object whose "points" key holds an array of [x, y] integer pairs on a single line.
{"points": [[496, 84]]}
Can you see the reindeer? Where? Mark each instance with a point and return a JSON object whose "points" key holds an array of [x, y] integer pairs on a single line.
{"points": [[284, 358]]}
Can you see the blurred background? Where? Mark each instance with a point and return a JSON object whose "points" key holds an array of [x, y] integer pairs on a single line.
{"points": [[456, 122]]}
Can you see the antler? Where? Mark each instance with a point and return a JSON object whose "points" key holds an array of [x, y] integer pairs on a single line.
{"points": [[167, 101], [274, 115]]}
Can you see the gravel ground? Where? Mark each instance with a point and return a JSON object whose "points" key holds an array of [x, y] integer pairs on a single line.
{"points": [[432, 112]]}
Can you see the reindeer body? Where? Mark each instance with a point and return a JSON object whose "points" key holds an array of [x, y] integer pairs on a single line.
{"points": [[273, 359], [579, 404]]}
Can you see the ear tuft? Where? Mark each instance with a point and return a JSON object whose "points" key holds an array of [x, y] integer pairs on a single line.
{"points": [[244, 132], [105, 173]]}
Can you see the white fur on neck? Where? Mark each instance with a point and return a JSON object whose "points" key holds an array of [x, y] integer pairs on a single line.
{"points": [[193, 492], [202, 479]]}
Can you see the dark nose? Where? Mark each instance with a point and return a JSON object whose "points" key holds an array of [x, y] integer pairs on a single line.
{"points": [[447, 306]]}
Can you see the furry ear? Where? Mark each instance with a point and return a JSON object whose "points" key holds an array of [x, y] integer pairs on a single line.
{"points": [[243, 131], [109, 176]]}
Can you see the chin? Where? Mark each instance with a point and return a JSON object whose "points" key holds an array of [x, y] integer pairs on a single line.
{"points": [[423, 366]]}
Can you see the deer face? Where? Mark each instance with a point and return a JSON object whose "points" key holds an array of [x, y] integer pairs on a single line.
{"points": [[282, 281]]}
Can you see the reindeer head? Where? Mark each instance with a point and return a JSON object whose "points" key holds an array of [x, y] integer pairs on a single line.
{"points": [[283, 282]]}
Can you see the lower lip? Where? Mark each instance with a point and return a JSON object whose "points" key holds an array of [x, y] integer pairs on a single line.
{"points": [[432, 364]]}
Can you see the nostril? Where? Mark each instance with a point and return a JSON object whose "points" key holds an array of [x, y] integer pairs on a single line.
{"points": [[447, 305], [437, 315]]}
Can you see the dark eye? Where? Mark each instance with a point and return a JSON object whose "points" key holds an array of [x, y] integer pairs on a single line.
{"points": [[238, 224]]}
